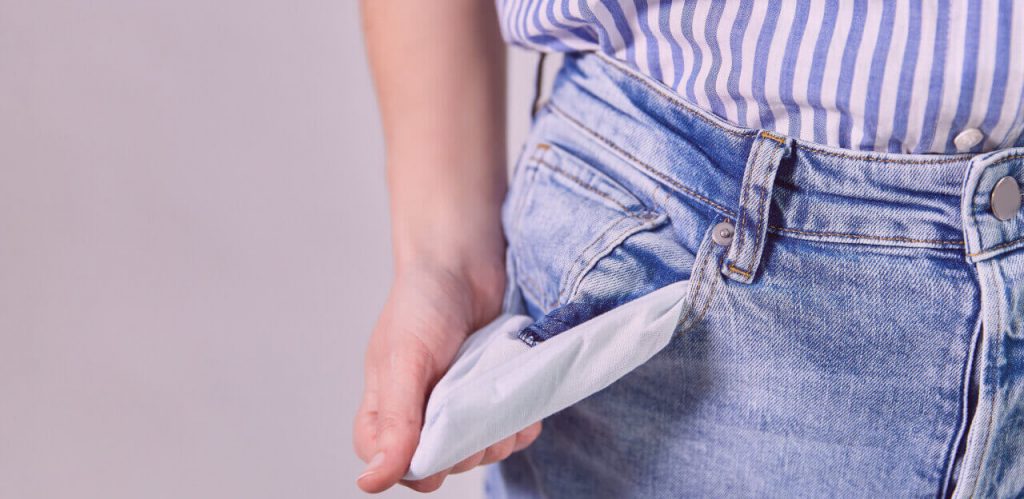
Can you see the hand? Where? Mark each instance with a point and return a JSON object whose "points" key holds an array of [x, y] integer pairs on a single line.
{"points": [[428, 314]]}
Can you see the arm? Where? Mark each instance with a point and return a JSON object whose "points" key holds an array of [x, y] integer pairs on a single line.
{"points": [[439, 69]]}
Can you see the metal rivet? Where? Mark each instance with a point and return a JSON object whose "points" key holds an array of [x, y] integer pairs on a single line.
{"points": [[722, 233], [1005, 198]]}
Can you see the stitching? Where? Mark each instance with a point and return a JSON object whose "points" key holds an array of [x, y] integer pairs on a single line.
{"points": [[826, 152], [998, 247], [579, 262], [726, 211], [581, 183], [740, 271], [992, 409], [701, 277], [665, 178], [768, 135], [529, 287], [707, 302], [1006, 160], [741, 225], [570, 292], [869, 237], [764, 205], [674, 99], [699, 114]]}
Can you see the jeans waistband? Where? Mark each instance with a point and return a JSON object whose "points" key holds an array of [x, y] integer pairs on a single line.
{"points": [[819, 192]]}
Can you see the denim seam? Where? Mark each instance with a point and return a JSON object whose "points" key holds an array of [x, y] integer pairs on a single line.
{"points": [[674, 99], [529, 287], [769, 174], [571, 291], [699, 114], [695, 291], [741, 225], [768, 135], [992, 404], [669, 180], [961, 435], [863, 236], [579, 262], [974, 216], [535, 161], [720, 208], [699, 280], [630, 212], [998, 247], [715, 283]]}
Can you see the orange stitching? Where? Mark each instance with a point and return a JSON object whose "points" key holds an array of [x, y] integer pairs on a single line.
{"points": [[998, 247], [630, 157], [862, 236], [728, 212], [741, 225], [738, 270], [581, 183], [764, 206], [771, 136], [866, 156]]}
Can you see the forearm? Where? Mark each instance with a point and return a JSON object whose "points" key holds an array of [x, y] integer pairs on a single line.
{"points": [[439, 70]]}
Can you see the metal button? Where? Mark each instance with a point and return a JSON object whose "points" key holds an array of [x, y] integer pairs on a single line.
{"points": [[1005, 198], [967, 139], [722, 233]]}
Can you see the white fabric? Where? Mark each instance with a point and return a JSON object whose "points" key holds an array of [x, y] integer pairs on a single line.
{"points": [[498, 385]]}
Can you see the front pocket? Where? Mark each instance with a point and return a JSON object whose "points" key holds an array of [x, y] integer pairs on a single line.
{"points": [[562, 216]]}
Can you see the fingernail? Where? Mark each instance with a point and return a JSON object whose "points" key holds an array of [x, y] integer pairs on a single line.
{"points": [[372, 466]]}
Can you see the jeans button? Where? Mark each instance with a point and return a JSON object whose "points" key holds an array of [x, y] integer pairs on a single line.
{"points": [[1005, 198], [722, 233]]}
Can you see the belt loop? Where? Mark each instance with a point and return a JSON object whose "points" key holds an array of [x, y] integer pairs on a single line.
{"points": [[744, 257]]}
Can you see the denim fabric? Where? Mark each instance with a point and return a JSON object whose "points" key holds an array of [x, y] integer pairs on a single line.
{"points": [[859, 335]]}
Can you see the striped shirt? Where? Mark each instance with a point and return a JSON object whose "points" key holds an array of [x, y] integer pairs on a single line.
{"points": [[913, 76]]}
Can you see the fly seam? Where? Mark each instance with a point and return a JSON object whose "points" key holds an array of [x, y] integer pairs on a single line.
{"points": [[991, 412], [695, 291]]}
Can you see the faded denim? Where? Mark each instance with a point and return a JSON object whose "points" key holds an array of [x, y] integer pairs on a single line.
{"points": [[860, 335]]}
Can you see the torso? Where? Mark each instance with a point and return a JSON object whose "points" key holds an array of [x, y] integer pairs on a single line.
{"points": [[882, 75]]}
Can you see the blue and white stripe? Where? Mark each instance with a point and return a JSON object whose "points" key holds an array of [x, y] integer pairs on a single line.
{"points": [[881, 75]]}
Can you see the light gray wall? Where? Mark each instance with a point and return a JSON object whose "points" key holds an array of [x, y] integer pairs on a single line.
{"points": [[193, 247]]}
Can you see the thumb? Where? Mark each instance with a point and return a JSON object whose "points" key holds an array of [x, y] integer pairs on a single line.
{"points": [[403, 387]]}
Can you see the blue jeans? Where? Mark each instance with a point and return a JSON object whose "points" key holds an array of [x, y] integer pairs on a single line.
{"points": [[858, 328]]}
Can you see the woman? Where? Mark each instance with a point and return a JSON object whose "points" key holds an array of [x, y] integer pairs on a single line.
{"points": [[838, 181]]}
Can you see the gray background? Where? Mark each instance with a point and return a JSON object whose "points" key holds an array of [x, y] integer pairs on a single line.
{"points": [[193, 247]]}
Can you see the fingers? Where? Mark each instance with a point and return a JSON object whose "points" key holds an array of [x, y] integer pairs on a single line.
{"points": [[402, 388], [526, 436], [428, 484], [499, 451], [469, 463]]}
